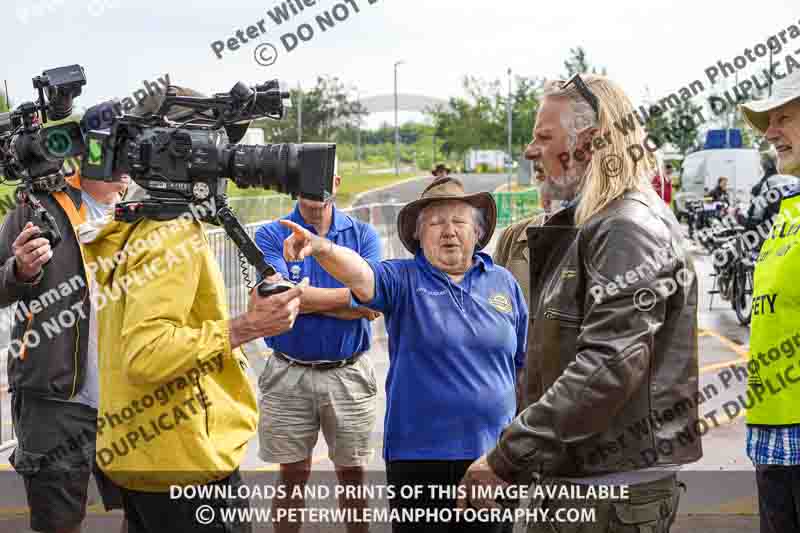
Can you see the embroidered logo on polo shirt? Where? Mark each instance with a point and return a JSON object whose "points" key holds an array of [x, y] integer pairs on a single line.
{"points": [[428, 292], [501, 302]]}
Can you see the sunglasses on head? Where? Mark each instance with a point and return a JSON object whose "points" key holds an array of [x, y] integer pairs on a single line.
{"points": [[584, 91]]}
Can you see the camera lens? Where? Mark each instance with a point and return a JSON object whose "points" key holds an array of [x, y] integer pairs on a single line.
{"points": [[305, 169]]}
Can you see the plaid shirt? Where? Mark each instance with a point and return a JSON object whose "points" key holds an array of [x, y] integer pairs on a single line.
{"points": [[774, 445]]}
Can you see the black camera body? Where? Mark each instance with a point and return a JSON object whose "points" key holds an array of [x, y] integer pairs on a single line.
{"points": [[191, 161], [174, 163], [28, 150], [34, 154]]}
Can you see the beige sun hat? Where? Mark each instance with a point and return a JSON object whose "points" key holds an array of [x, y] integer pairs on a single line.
{"points": [[445, 189], [783, 91]]}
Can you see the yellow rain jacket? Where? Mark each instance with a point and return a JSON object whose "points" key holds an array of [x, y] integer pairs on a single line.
{"points": [[176, 405]]}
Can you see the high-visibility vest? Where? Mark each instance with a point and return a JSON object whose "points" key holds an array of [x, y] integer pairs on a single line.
{"points": [[773, 393]]}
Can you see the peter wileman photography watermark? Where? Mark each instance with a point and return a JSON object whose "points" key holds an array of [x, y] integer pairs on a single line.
{"points": [[183, 407], [265, 54], [102, 117], [67, 318], [27, 10], [769, 385], [646, 298], [687, 124]]}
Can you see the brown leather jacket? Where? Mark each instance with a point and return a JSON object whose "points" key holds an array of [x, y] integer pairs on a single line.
{"points": [[614, 347]]}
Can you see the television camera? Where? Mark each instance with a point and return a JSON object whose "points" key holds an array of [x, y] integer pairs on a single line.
{"points": [[34, 154], [183, 152]]}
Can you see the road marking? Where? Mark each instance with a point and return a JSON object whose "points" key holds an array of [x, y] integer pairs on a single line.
{"points": [[715, 366], [358, 196], [747, 505], [737, 348]]}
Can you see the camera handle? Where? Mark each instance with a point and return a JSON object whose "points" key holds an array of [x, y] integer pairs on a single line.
{"points": [[134, 210], [40, 217], [235, 230]]}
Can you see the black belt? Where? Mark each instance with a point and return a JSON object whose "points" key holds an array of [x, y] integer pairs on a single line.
{"points": [[322, 365]]}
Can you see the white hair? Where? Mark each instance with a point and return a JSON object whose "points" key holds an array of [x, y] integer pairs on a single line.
{"points": [[581, 117], [478, 220]]}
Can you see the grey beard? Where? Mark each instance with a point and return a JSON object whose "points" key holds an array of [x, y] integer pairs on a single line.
{"points": [[564, 188]]}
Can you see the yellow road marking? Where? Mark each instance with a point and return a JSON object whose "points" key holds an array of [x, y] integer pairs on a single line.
{"points": [[737, 348], [715, 366], [748, 505]]}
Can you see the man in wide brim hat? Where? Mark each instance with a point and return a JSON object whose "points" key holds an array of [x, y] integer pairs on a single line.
{"points": [[775, 420], [440, 190], [775, 117], [457, 326], [440, 171]]}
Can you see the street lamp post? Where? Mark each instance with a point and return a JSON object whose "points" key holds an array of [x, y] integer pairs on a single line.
{"points": [[299, 113], [508, 108], [358, 134], [396, 125]]}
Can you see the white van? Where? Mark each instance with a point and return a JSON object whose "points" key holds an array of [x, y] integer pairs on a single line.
{"points": [[701, 170]]}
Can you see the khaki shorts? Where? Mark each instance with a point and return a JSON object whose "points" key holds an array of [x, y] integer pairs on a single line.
{"points": [[297, 401]]}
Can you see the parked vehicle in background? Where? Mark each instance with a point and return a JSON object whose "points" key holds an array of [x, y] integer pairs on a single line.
{"points": [[702, 169], [488, 160]]}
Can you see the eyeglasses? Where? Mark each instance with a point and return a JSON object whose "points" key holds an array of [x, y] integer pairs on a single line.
{"points": [[584, 91]]}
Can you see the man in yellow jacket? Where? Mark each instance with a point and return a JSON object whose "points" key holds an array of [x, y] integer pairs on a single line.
{"points": [[773, 416], [176, 409], [176, 405]]}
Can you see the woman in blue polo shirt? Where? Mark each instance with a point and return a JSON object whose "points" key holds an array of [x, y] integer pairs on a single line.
{"points": [[457, 326]]}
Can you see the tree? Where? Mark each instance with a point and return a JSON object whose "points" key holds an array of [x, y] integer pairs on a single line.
{"points": [[679, 127], [480, 120], [578, 64], [525, 105], [4, 104]]}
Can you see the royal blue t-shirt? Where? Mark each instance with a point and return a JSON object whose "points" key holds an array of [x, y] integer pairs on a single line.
{"points": [[453, 354], [317, 337]]}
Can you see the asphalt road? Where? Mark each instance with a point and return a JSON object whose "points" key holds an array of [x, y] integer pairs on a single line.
{"points": [[721, 489], [410, 190]]}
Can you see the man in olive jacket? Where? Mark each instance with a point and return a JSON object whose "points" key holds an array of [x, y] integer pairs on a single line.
{"points": [[614, 310], [52, 367]]}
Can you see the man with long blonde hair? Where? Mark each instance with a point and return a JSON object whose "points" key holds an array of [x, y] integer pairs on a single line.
{"points": [[612, 371]]}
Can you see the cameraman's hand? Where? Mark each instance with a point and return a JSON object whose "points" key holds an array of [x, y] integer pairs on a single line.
{"points": [[30, 252], [274, 314], [266, 316], [276, 277]]}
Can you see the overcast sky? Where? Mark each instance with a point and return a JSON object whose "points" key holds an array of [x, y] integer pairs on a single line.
{"points": [[655, 46]]}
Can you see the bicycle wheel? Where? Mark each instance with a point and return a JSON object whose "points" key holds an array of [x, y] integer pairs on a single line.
{"points": [[743, 294]]}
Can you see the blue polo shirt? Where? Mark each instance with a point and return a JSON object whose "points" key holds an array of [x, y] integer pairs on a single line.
{"points": [[453, 354], [315, 336]]}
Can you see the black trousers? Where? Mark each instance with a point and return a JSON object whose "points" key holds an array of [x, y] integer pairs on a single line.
{"points": [[778, 498], [55, 457], [157, 512], [427, 474]]}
